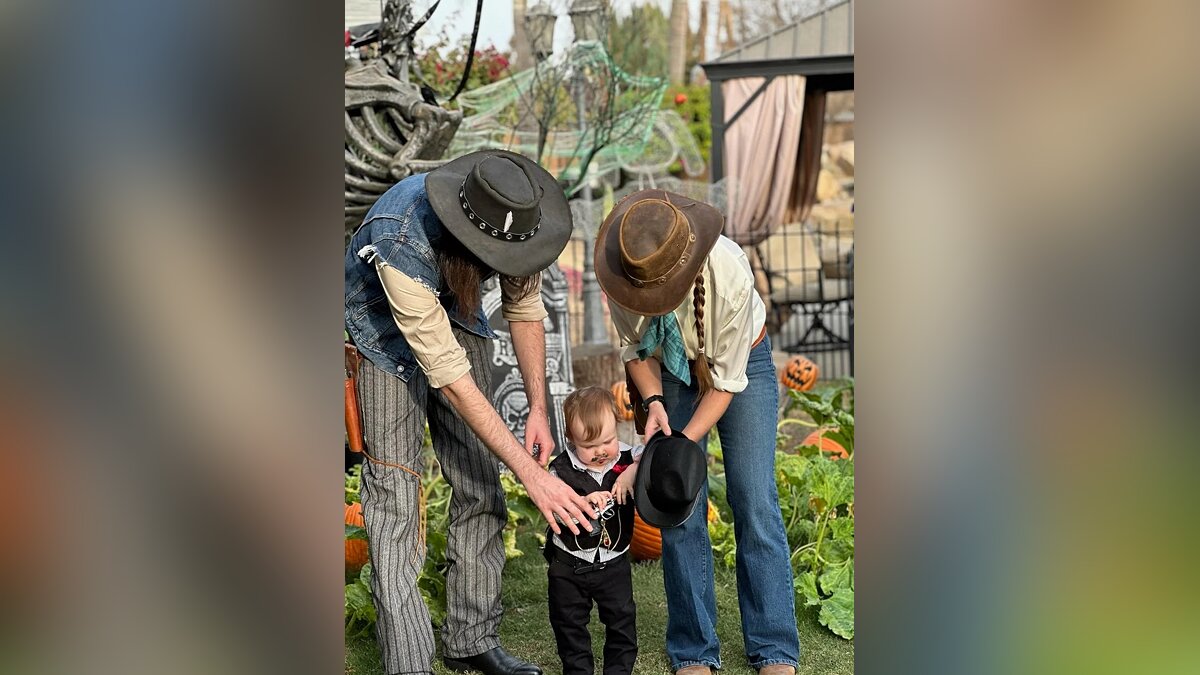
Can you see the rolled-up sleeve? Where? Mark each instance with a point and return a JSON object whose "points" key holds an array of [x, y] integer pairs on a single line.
{"points": [[423, 322], [518, 305], [730, 350], [629, 329]]}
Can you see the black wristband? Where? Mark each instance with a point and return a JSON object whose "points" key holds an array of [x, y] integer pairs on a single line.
{"points": [[657, 397]]}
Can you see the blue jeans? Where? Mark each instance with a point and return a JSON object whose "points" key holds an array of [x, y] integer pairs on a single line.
{"points": [[764, 573]]}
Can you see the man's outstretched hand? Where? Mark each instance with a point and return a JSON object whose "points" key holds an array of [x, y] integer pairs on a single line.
{"points": [[553, 497]]}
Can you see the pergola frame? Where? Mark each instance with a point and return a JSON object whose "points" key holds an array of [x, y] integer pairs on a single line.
{"points": [[823, 73]]}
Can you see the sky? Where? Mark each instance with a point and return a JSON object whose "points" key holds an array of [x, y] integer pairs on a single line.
{"points": [[495, 25]]}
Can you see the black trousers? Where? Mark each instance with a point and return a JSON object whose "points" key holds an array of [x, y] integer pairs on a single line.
{"points": [[571, 597]]}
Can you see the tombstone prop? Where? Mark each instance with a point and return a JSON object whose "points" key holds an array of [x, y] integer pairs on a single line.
{"points": [[508, 389]]}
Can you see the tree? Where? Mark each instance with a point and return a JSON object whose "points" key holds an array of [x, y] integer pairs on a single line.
{"points": [[522, 52], [700, 49], [726, 37], [743, 20], [677, 42], [637, 42]]}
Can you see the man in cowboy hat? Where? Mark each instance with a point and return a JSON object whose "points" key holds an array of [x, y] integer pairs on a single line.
{"points": [[413, 275]]}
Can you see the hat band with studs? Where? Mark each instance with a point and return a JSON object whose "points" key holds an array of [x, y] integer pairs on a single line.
{"points": [[659, 281], [496, 232]]}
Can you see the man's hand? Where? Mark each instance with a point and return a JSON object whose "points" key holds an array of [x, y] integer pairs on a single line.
{"points": [[537, 432], [553, 497], [624, 486], [656, 419]]}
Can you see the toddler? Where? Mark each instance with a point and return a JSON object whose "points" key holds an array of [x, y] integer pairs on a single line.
{"points": [[594, 566]]}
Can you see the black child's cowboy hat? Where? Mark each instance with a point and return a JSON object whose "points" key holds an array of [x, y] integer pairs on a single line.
{"points": [[670, 474], [504, 208]]}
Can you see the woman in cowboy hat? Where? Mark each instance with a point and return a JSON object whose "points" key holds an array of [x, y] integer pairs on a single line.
{"points": [[693, 341], [413, 275]]}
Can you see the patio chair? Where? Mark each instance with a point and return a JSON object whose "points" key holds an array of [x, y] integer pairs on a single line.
{"points": [[809, 279]]}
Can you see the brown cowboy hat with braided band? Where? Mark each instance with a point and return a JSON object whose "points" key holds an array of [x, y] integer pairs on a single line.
{"points": [[650, 248]]}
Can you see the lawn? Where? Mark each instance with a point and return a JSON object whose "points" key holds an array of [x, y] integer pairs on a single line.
{"points": [[525, 630]]}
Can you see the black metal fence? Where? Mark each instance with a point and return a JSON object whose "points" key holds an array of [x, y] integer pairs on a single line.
{"points": [[807, 270]]}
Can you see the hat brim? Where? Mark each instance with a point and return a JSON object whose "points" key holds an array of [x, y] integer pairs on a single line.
{"points": [[511, 258], [705, 220], [646, 509]]}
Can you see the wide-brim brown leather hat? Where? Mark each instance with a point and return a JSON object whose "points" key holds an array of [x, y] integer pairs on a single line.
{"points": [[507, 210], [650, 248]]}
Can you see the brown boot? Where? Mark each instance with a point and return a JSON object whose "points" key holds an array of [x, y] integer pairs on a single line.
{"points": [[694, 670], [777, 669]]}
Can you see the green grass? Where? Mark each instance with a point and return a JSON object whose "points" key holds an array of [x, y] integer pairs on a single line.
{"points": [[525, 629]]}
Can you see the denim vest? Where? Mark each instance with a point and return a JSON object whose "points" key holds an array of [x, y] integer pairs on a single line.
{"points": [[403, 231]]}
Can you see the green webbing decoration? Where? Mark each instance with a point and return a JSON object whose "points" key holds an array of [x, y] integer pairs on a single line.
{"points": [[536, 112]]}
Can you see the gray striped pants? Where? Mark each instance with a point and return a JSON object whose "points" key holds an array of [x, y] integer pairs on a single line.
{"points": [[394, 415]]}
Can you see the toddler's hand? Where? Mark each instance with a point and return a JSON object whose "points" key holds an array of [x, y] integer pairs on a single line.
{"points": [[598, 499], [624, 486]]}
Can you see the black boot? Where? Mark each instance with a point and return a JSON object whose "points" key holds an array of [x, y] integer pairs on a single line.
{"points": [[493, 662]]}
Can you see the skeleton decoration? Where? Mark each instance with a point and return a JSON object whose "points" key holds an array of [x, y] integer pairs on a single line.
{"points": [[392, 129]]}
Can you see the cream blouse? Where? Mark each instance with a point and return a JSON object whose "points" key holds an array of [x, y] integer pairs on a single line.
{"points": [[734, 316]]}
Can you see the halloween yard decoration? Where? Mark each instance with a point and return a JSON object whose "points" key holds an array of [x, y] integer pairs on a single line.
{"points": [[393, 128], [799, 374]]}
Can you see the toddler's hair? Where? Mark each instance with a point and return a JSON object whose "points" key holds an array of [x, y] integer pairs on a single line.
{"points": [[589, 406]]}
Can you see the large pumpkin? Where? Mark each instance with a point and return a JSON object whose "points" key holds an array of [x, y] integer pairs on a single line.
{"points": [[621, 393], [800, 373], [646, 543], [356, 549], [826, 444]]}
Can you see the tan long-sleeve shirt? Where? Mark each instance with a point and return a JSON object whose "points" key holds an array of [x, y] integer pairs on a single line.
{"points": [[426, 326]]}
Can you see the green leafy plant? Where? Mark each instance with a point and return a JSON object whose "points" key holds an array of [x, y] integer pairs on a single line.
{"points": [[817, 501], [354, 484], [523, 518], [360, 610], [441, 65], [720, 527], [694, 105], [523, 515], [824, 564]]}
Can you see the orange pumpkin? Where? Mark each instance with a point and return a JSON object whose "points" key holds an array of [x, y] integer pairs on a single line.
{"points": [[620, 393], [826, 444], [356, 549], [800, 373], [646, 543]]}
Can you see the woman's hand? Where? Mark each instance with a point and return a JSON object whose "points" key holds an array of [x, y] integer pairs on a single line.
{"points": [[656, 419]]}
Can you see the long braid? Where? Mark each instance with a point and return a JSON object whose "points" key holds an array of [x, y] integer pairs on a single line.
{"points": [[704, 380]]}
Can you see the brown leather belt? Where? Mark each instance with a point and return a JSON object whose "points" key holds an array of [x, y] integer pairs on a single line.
{"points": [[762, 334]]}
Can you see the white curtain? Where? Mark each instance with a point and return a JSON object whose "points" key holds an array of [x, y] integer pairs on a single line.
{"points": [[761, 151]]}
